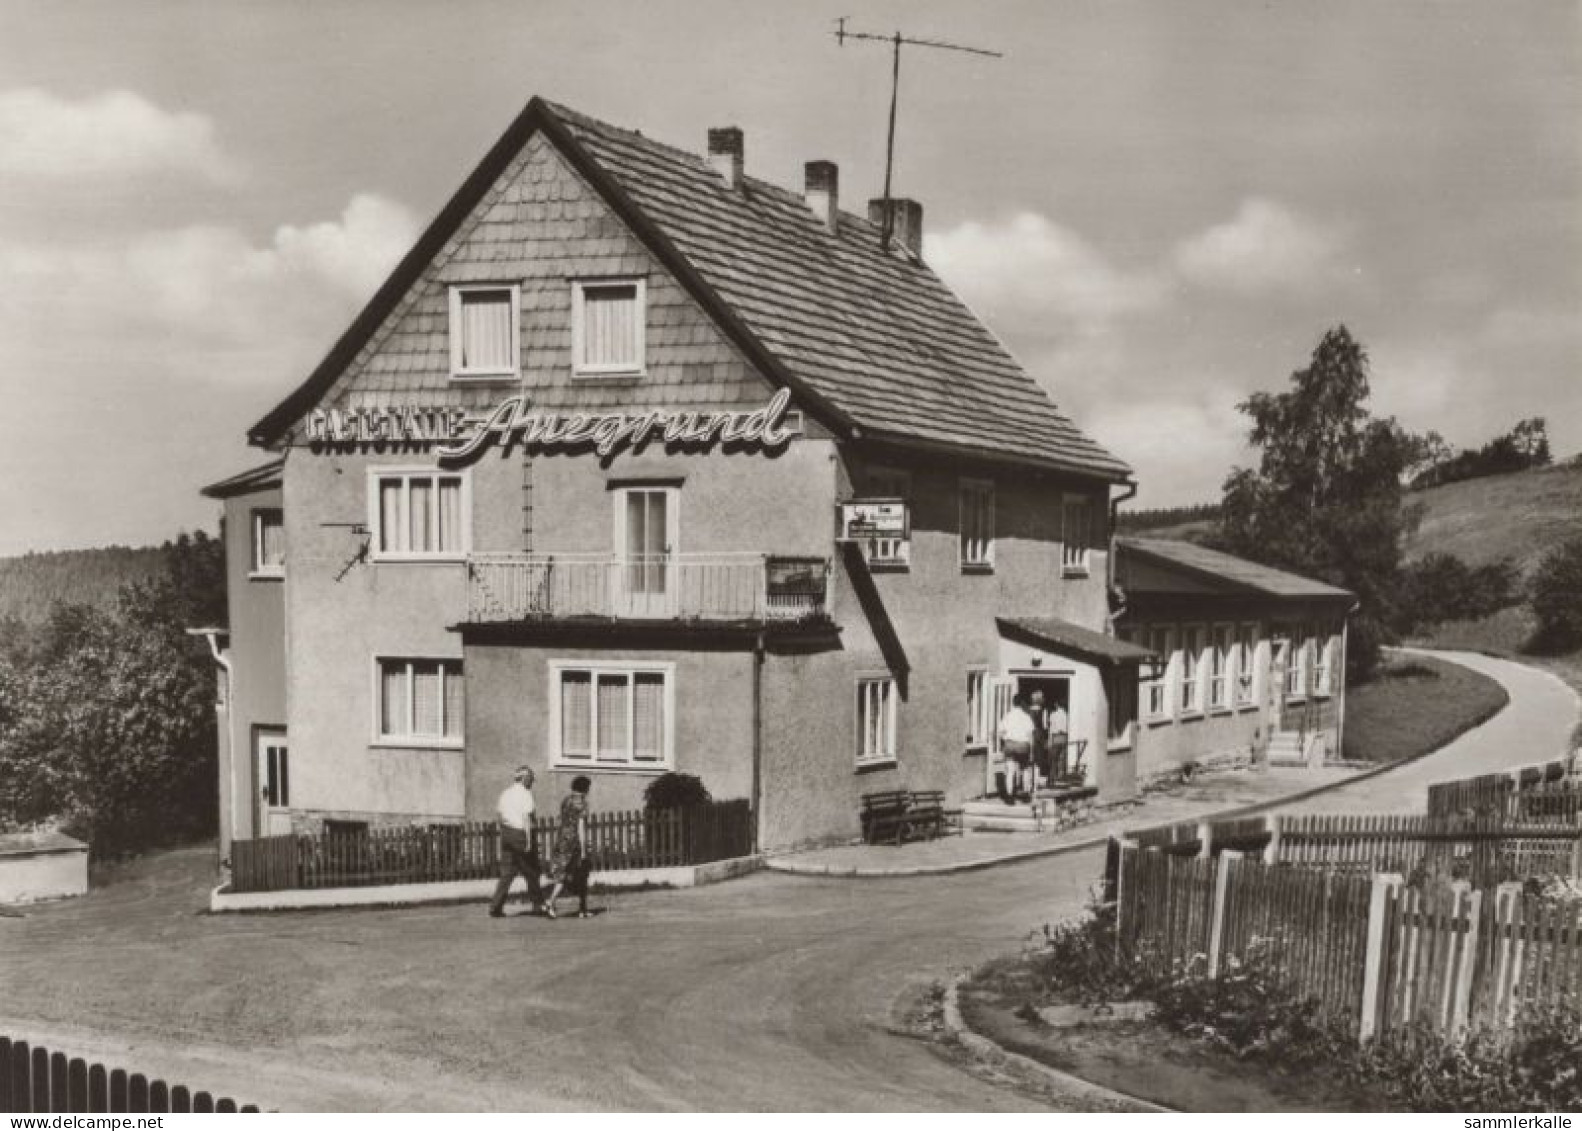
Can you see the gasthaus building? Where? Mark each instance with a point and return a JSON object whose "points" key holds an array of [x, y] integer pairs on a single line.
{"points": [[637, 463]]}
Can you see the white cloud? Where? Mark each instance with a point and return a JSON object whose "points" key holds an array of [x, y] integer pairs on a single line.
{"points": [[114, 134], [1180, 449], [1030, 266], [202, 289], [1264, 245]]}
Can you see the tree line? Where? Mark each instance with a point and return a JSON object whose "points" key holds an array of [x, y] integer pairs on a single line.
{"points": [[1525, 446], [107, 727], [32, 584]]}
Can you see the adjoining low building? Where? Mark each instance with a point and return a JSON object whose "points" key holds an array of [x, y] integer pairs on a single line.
{"points": [[1252, 660]]}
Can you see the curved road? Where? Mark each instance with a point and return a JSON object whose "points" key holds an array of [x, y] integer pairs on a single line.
{"points": [[771, 992]]}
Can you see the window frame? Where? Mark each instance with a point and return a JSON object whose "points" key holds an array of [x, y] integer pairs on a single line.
{"points": [[579, 369], [261, 570], [890, 756], [877, 482], [459, 372], [665, 669], [1221, 653], [981, 490], [376, 475], [412, 740], [980, 727], [1297, 665], [1247, 688], [1162, 640], [1323, 663], [1078, 563], [1191, 670]]}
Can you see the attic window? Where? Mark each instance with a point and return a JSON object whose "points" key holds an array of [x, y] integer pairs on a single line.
{"points": [[484, 340], [607, 323]]}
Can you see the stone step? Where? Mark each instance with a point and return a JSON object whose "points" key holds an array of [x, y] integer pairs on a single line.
{"points": [[1000, 824], [996, 808]]}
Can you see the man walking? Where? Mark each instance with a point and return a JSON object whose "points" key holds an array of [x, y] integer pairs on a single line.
{"points": [[518, 851]]}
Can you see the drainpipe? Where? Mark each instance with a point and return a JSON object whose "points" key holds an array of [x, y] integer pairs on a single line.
{"points": [[1109, 564], [230, 728], [758, 738]]}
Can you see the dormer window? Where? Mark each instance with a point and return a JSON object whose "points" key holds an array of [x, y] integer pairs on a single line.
{"points": [[484, 339], [607, 323]]}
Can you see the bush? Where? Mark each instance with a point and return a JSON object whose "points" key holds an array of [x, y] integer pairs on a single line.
{"points": [[1557, 596], [1250, 1010], [675, 791], [1078, 961], [1441, 587]]}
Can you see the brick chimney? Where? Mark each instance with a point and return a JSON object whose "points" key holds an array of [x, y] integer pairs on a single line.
{"points": [[823, 191], [906, 226], [725, 155]]}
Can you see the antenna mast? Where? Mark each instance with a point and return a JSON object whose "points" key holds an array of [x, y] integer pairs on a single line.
{"points": [[896, 40]]}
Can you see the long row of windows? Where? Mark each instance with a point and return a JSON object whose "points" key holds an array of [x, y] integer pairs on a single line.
{"points": [[1216, 667], [976, 525]]}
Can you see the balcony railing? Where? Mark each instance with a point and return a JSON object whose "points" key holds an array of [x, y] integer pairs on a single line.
{"points": [[503, 588]]}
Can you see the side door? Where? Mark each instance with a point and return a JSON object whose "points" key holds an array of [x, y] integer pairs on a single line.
{"points": [[1001, 693], [273, 776]]}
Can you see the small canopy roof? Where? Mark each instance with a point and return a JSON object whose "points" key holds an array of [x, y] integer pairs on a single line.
{"points": [[1073, 640]]}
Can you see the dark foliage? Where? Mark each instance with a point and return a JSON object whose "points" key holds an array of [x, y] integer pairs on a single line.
{"points": [[1326, 499], [675, 791], [1134, 522], [31, 585], [1524, 446], [107, 718], [1557, 597], [1441, 587]]}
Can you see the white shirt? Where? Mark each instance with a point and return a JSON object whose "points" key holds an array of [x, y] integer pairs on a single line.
{"points": [[1016, 725], [515, 806], [1058, 722]]}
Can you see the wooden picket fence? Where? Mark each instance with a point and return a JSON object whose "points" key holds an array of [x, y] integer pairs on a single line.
{"points": [[1542, 838], [34, 1079], [1371, 949], [471, 851], [1507, 793]]}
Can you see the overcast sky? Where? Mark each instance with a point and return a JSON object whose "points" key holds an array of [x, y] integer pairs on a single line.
{"points": [[1159, 205]]}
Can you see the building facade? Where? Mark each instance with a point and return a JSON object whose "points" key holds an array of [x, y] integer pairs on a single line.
{"points": [[1251, 661], [639, 464]]}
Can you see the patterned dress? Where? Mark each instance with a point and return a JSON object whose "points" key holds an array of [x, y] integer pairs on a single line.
{"points": [[565, 862]]}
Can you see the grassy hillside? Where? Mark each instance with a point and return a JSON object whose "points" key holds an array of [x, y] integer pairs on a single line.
{"points": [[1520, 515], [30, 584]]}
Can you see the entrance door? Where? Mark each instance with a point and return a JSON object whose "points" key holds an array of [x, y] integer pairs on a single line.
{"points": [[273, 771], [1001, 691], [645, 540]]}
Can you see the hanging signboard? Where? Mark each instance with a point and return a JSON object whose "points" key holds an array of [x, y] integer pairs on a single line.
{"points": [[867, 519]]}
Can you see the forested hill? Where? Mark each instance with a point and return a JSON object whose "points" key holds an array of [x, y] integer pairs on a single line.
{"points": [[30, 584]]}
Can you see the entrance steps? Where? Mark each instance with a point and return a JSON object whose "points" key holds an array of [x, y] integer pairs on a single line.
{"points": [[1050, 809], [1286, 748]]}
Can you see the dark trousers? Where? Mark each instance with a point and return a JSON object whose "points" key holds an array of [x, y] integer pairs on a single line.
{"points": [[518, 854]]}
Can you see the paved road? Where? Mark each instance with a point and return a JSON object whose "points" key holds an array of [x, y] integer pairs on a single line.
{"points": [[1535, 726], [771, 992]]}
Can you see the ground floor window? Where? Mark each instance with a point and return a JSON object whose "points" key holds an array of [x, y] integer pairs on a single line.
{"points": [[1323, 662], [979, 724], [611, 715], [420, 701], [1222, 660], [1156, 675], [1191, 669], [1246, 661], [876, 711], [1296, 664]]}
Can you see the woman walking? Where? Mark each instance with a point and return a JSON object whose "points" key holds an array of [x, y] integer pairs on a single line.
{"points": [[568, 864]]}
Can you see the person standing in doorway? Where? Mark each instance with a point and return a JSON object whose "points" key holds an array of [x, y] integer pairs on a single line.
{"points": [[569, 865], [518, 850], [1059, 741], [1040, 717], [1016, 748]]}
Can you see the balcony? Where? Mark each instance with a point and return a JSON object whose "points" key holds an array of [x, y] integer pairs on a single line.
{"points": [[721, 588]]}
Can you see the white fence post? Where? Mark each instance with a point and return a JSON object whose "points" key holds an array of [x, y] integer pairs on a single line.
{"points": [[1375, 970], [1507, 954], [1271, 851], [1205, 840], [1216, 934], [1458, 979]]}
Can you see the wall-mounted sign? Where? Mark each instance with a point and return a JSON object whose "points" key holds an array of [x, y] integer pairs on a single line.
{"points": [[862, 519], [459, 434]]}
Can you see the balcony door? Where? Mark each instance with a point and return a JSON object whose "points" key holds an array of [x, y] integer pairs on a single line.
{"points": [[646, 520]]}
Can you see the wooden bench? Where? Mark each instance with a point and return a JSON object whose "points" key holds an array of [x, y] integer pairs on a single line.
{"points": [[898, 815]]}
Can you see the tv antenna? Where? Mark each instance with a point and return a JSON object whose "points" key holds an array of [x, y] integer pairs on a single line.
{"points": [[896, 40]]}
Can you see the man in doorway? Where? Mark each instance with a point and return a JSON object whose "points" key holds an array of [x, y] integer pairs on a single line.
{"points": [[1059, 724], [1016, 747], [1041, 748], [518, 850]]}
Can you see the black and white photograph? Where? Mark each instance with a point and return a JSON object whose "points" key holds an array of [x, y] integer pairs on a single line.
{"points": [[890, 556]]}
